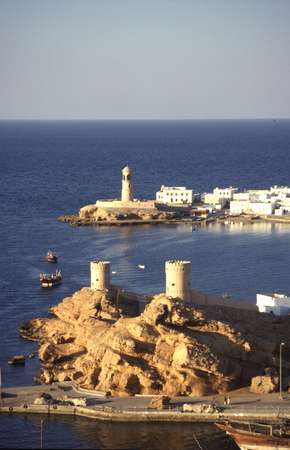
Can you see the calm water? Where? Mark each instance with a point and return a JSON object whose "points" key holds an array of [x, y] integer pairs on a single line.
{"points": [[51, 168]]}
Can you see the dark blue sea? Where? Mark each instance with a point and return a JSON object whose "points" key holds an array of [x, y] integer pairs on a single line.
{"points": [[52, 168]]}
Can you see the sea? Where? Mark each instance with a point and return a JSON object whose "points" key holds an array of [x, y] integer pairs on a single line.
{"points": [[49, 168]]}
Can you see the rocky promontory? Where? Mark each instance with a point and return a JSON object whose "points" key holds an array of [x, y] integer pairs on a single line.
{"points": [[95, 215], [99, 342]]}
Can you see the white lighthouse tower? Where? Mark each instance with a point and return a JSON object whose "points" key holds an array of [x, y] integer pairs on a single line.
{"points": [[127, 189], [178, 279]]}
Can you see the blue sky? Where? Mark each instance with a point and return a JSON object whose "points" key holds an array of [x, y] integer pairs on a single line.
{"points": [[137, 59]]}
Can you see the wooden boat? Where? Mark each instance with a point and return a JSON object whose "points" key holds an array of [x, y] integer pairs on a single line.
{"points": [[51, 257], [48, 280], [258, 436], [18, 360]]}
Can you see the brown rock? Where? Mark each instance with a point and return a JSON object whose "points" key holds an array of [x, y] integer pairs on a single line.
{"points": [[264, 384], [170, 349]]}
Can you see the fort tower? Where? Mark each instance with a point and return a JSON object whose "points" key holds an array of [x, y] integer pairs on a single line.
{"points": [[178, 279], [127, 190], [100, 275]]}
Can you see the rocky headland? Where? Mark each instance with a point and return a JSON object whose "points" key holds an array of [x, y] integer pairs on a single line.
{"points": [[171, 348], [95, 215]]}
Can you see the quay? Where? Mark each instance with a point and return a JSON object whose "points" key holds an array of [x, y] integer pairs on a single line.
{"points": [[243, 406]]}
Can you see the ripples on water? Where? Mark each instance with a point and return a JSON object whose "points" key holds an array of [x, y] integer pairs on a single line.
{"points": [[85, 433], [48, 169]]}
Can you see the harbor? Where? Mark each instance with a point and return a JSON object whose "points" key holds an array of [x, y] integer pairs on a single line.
{"points": [[232, 258]]}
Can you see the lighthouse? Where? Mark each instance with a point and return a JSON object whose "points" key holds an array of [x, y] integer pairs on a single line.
{"points": [[127, 190]]}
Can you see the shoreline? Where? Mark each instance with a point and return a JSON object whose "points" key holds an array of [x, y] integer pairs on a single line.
{"points": [[75, 220]]}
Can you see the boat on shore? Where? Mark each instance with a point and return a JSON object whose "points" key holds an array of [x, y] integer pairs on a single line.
{"points": [[258, 436], [51, 256], [48, 280], [18, 360]]}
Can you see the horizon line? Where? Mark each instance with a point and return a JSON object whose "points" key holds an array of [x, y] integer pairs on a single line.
{"points": [[141, 120]]}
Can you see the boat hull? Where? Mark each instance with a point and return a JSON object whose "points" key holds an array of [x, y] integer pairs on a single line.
{"points": [[260, 442], [50, 284], [254, 441]]}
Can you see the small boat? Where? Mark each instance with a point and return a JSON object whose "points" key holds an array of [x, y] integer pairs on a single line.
{"points": [[31, 355], [18, 360], [114, 272], [51, 257], [141, 266], [50, 279], [255, 436]]}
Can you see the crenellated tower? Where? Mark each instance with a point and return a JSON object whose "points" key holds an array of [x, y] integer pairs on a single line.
{"points": [[100, 275], [178, 279]]}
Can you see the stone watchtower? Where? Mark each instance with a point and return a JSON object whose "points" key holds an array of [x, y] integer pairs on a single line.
{"points": [[178, 279], [100, 275], [127, 189]]}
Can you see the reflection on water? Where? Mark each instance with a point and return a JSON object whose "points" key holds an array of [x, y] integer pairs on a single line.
{"points": [[255, 227], [66, 432]]}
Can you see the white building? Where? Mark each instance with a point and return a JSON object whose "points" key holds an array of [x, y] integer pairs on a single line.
{"points": [[262, 208], [239, 207], [241, 196], [219, 195], [277, 304], [177, 195], [280, 191], [252, 207], [226, 193]]}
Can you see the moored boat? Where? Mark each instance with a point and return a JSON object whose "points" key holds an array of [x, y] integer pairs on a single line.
{"points": [[258, 436], [18, 360], [50, 279], [51, 256]]}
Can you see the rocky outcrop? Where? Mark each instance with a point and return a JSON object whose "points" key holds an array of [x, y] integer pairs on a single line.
{"points": [[93, 214], [170, 349]]}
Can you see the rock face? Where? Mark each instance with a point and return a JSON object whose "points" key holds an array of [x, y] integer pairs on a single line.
{"points": [[170, 349]]}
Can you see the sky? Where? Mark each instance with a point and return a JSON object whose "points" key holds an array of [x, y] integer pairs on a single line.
{"points": [[144, 59]]}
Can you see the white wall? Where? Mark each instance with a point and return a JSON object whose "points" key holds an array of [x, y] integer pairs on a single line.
{"points": [[239, 207], [278, 304], [243, 206], [263, 208]]}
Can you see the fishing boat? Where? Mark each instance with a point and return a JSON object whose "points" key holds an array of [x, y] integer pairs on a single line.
{"points": [[51, 257], [258, 436], [50, 279], [18, 360]]}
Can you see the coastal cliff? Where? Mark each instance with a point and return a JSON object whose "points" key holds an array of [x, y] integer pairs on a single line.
{"points": [[171, 348]]}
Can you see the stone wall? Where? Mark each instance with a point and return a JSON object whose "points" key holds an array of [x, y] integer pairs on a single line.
{"points": [[201, 298], [138, 204]]}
